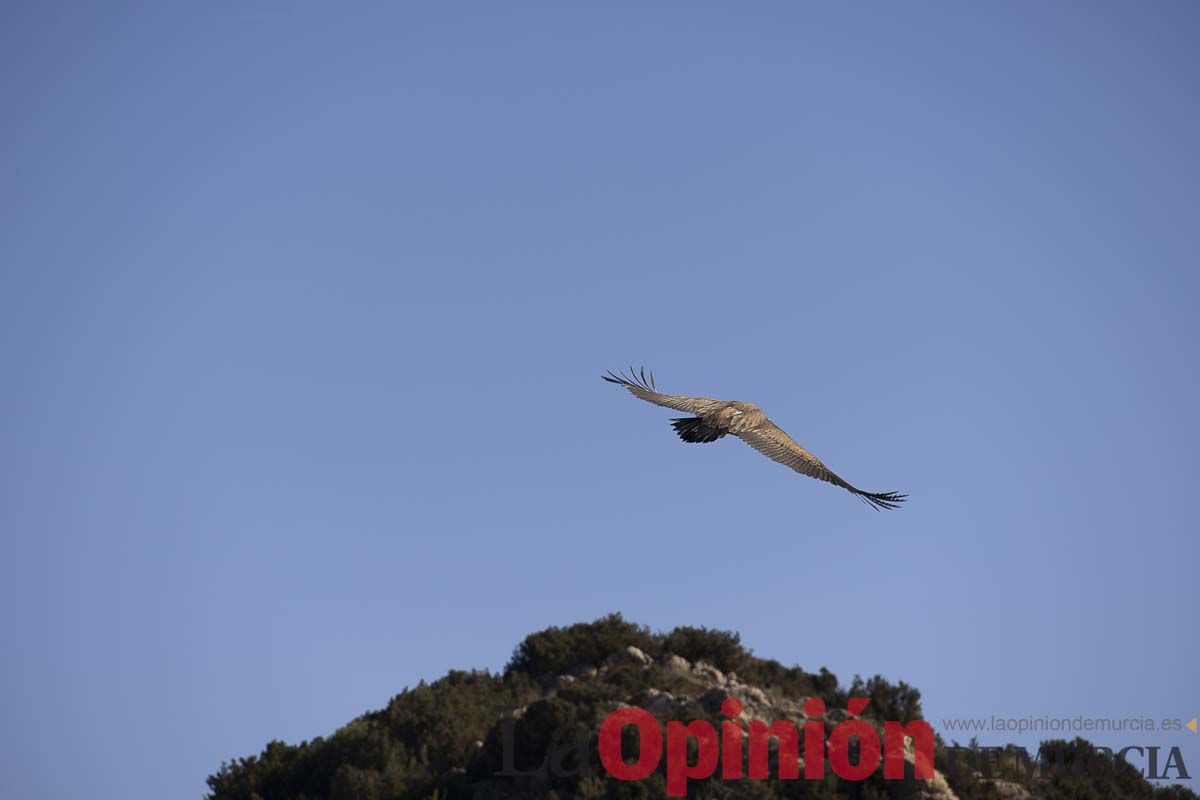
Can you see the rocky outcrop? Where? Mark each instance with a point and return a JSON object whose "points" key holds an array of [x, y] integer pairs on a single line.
{"points": [[630, 655], [707, 688]]}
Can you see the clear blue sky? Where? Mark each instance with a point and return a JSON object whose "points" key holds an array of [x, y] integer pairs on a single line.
{"points": [[304, 308]]}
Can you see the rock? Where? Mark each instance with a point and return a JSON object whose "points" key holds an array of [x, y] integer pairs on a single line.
{"points": [[936, 789], [580, 671], [708, 672], [630, 655], [550, 684], [757, 705], [753, 694], [657, 702], [676, 663]]}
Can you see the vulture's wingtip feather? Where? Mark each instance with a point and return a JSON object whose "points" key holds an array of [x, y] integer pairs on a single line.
{"points": [[639, 378]]}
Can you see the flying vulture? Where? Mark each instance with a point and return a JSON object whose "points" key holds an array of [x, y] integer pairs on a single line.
{"points": [[716, 418]]}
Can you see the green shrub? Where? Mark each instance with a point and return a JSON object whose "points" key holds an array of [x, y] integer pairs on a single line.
{"points": [[555, 650]]}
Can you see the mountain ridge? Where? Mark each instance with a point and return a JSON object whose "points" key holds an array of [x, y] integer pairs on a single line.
{"points": [[531, 730]]}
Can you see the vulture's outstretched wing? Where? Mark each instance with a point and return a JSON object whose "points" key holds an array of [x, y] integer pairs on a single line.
{"points": [[641, 385], [771, 440]]}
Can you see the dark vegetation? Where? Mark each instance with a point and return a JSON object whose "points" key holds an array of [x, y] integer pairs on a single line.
{"points": [[444, 740]]}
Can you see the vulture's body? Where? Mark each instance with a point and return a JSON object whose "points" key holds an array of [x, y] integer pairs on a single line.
{"points": [[714, 419]]}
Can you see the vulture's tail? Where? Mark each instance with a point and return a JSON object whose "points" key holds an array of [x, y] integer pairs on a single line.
{"points": [[693, 429], [878, 500]]}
